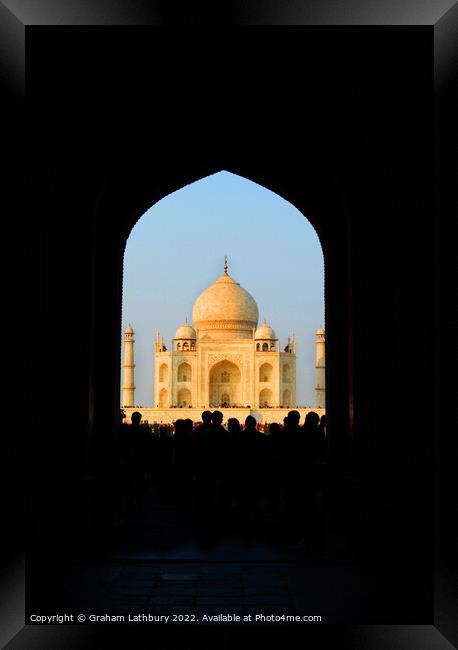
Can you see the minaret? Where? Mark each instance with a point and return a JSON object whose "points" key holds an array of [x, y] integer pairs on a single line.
{"points": [[128, 387], [320, 388]]}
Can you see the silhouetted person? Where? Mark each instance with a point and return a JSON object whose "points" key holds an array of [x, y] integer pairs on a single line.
{"points": [[221, 450], [312, 437], [277, 465], [200, 437], [304, 480], [234, 429], [183, 469], [293, 475], [234, 432], [164, 463], [189, 461], [203, 471], [252, 470], [314, 432]]}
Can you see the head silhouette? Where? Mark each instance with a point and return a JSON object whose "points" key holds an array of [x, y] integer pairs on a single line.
{"points": [[136, 417], [217, 417], [180, 429], [233, 425], [293, 418], [250, 422], [274, 429], [206, 417], [312, 420]]}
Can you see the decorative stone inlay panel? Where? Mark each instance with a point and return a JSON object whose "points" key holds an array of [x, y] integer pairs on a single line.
{"points": [[224, 325], [216, 358]]}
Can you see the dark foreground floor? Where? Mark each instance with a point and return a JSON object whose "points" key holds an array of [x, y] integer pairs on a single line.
{"points": [[162, 564]]}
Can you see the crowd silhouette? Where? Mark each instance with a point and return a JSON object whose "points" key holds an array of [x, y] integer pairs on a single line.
{"points": [[231, 474]]}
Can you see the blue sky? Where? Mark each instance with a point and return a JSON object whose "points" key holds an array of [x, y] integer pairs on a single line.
{"points": [[177, 249]]}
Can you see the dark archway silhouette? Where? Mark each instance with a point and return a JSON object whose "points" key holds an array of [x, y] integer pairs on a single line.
{"points": [[335, 136]]}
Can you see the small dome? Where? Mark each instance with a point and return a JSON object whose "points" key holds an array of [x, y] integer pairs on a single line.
{"points": [[185, 331], [320, 330], [129, 330], [264, 331]]}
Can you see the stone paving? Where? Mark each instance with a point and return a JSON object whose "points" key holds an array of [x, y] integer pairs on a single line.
{"points": [[157, 565], [337, 593]]}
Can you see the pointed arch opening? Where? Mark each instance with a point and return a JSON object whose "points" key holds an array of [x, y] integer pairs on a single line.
{"points": [[273, 291], [266, 372], [163, 372], [184, 372], [286, 373], [265, 398], [286, 397], [163, 398], [225, 384], [184, 397]]}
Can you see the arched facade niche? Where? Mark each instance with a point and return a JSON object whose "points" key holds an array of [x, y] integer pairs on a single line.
{"points": [[184, 372], [265, 397], [163, 372], [286, 397], [266, 372], [184, 397], [286, 373], [163, 398], [225, 380]]}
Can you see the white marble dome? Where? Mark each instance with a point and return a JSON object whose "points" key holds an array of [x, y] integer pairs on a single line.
{"points": [[225, 305], [264, 331], [185, 331]]}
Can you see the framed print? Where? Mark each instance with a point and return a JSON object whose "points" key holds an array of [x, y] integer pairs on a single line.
{"points": [[182, 480]]}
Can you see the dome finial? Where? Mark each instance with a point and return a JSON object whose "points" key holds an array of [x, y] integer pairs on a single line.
{"points": [[225, 265]]}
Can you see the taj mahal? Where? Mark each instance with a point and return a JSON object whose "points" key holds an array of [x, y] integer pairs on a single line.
{"points": [[224, 361]]}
